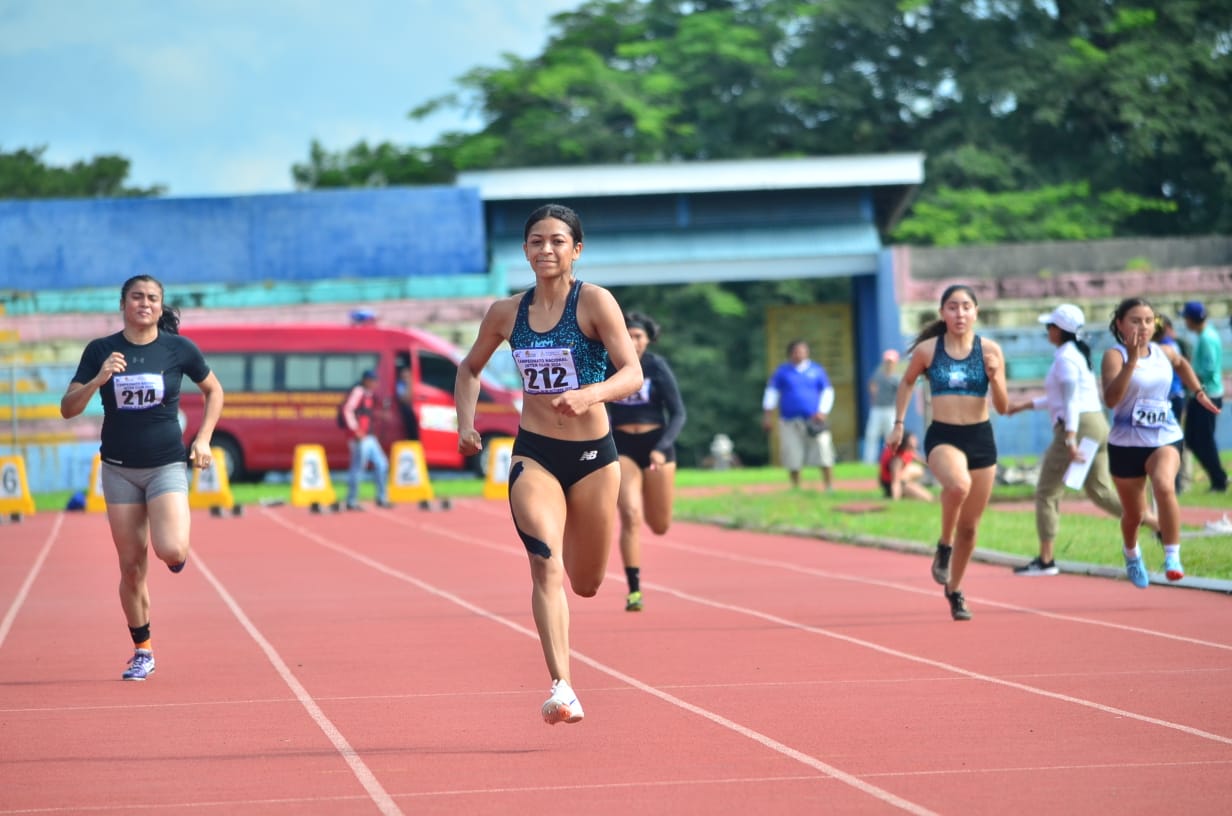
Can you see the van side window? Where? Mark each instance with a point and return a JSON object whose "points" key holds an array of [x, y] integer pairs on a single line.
{"points": [[261, 373], [324, 372], [229, 369], [437, 371]]}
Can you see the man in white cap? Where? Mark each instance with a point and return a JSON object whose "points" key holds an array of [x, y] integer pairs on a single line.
{"points": [[1071, 397], [1207, 362]]}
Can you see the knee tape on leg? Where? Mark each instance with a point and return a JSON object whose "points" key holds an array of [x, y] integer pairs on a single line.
{"points": [[533, 545]]}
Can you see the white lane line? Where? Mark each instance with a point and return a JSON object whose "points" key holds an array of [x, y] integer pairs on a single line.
{"points": [[788, 566], [925, 661], [943, 666], [877, 793], [834, 576], [20, 599], [363, 773]]}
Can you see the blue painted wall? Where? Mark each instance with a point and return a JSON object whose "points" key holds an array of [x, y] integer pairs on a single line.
{"points": [[383, 233]]}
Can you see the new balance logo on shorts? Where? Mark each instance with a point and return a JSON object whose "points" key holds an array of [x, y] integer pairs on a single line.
{"points": [[588, 455]]}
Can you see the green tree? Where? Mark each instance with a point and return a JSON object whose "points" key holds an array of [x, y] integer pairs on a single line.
{"points": [[720, 327], [24, 174], [1012, 96], [1066, 212]]}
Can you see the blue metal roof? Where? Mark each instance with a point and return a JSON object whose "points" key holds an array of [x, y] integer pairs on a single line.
{"points": [[784, 252]]}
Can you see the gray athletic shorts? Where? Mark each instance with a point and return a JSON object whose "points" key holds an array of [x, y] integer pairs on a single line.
{"points": [[122, 485]]}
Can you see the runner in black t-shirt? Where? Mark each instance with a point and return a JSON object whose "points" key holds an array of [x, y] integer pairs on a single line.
{"points": [[646, 442], [137, 374]]}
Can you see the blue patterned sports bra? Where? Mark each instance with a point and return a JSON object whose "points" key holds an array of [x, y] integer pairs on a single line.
{"points": [[965, 377], [562, 358]]}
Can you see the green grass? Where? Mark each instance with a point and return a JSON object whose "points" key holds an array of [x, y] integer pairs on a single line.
{"points": [[761, 499]]}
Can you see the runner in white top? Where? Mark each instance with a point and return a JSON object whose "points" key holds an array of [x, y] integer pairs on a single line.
{"points": [[1137, 377], [1071, 398]]}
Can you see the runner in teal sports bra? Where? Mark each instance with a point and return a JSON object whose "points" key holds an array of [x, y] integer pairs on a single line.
{"points": [[564, 464], [963, 370]]}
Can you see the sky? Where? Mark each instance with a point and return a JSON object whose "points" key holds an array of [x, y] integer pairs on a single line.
{"points": [[222, 97]]}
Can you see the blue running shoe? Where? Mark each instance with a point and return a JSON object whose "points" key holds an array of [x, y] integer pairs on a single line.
{"points": [[1137, 572], [1173, 568], [141, 666]]}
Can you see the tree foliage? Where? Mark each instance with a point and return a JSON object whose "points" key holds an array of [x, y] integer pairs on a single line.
{"points": [[1015, 96], [1038, 119], [24, 174]]}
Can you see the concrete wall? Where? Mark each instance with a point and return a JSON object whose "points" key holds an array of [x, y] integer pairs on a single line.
{"points": [[73, 245]]}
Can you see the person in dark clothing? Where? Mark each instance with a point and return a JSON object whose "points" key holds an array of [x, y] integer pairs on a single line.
{"points": [[365, 447], [645, 426], [137, 373]]}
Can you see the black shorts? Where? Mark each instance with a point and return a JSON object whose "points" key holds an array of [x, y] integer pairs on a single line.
{"points": [[565, 459], [638, 446], [1129, 462], [976, 441], [885, 488]]}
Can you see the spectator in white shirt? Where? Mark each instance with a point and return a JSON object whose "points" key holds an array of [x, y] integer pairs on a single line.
{"points": [[1071, 398]]}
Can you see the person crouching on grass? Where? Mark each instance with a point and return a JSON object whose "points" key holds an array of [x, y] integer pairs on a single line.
{"points": [[900, 473]]}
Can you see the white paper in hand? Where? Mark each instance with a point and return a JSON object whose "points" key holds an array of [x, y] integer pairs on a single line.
{"points": [[1076, 473]]}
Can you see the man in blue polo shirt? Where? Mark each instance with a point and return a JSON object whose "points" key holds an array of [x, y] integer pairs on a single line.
{"points": [[801, 391]]}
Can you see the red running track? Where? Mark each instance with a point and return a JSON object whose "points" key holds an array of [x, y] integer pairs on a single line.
{"points": [[386, 662]]}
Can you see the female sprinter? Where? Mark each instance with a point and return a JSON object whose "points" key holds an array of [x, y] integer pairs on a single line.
{"points": [[138, 373], [646, 442], [563, 476], [1137, 377], [962, 371]]}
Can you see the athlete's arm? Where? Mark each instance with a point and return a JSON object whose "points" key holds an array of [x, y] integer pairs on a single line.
{"points": [[921, 356], [994, 367], [1115, 376], [78, 395], [669, 392], [599, 312], [493, 330], [212, 389]]}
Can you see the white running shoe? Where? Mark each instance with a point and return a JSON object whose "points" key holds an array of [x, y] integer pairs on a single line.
{"points": [[563, 705]]}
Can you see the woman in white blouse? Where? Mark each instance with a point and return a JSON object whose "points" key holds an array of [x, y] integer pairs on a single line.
{"points": [[1071, 398]]}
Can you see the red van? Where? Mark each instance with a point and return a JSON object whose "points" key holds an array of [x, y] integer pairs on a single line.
{"points": [[284, 385]]}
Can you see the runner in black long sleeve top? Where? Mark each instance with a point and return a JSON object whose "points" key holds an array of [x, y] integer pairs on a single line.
{"points": [[645, 426]]}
